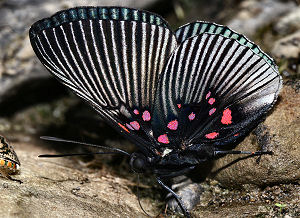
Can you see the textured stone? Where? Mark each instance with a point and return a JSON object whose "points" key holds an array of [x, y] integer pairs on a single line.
{"points": [[288, 23], [287, 47], [57, 188], [255, 14], [287, 51], [280, 133]]}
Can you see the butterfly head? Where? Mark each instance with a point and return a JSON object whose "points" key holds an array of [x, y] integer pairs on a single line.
{"points": [[139, 163]]}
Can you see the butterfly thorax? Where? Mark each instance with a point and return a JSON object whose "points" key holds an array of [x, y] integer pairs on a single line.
{"points": [[171, 163]]}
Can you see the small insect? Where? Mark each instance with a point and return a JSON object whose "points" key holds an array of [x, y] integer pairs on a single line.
{"points": [[9, 162], [183, 97]]}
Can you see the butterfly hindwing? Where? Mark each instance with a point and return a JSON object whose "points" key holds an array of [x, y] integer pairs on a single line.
{"points": [[110, 57], [199, 27], [214, 89]]}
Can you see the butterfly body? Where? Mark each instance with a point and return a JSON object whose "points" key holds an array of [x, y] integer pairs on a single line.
{"points": [[180, 97], [9, 162]]}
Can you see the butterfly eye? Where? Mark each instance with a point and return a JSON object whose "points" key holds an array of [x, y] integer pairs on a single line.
{"points": [[138, 163]]}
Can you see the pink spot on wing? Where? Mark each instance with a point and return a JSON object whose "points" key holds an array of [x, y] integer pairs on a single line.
{"points": [[146, 116], [192, 116], [135, 125], [179, 105], [135, 111], [211, 101], [211, 111], [207, 95], [237, 134], [123, 127], [226, 118], [212, 135], [172, 125], [129, 127], [163, 139]]}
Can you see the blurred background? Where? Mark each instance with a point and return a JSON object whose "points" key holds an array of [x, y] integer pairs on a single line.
{"points": [[33, 103]]}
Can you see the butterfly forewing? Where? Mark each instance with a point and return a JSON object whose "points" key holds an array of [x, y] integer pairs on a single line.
{"points": [[215, 90], [111, 57]]}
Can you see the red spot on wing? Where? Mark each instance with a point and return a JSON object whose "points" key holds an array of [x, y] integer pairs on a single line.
{"points": [[123, 127], [146, 116], [192, 116], [211, 111], [237, 134], [129, 127], [135, 125], [163, 139], [226, 118], [212, 135], [211, 101], [179, 105], [135, 111], [172, 125], [208, 95]]}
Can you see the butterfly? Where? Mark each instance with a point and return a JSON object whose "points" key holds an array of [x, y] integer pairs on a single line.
{"points": [[182, 97], [9, 162]]}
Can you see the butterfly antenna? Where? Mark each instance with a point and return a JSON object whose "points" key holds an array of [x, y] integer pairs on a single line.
{"points": [[55, 139], [138, 193], [244, 152], [76, 154], [178, 199]]}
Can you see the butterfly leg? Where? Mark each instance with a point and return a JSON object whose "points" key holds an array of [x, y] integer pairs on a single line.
{"points": [[263, 137], [6, 175], [243, 152], [177, 197]]}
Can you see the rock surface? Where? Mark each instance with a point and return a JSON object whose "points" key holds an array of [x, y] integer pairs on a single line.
{"points": [[280, 133], [288, 23], [287, 51], [287, 47], [55, 188], [254, 15], [64, 187]]}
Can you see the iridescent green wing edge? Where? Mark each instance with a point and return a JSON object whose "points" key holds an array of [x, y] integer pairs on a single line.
{"points": [[97, 13], [199, 27]]}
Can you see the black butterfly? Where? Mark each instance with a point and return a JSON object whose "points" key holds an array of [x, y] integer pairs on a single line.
{"points": [[182, 98]]}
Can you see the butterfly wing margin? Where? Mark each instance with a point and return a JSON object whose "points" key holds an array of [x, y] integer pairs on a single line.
{"points": [[113, 63], [216, 89], [196, 28]]}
